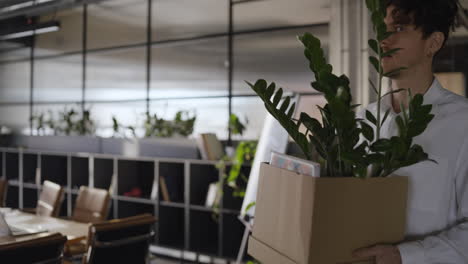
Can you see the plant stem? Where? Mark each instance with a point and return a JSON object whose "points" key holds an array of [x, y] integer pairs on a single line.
{"points": [[339, 154], [379, 98]]}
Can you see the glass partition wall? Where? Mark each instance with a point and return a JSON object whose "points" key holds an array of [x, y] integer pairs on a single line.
{"points": [[124, 58]]}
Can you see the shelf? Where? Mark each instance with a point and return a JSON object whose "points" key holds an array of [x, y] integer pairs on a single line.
{"points": [[79, 172], [12, 197], [11, 166], [184, 223], [29, 167], [135, 176], [54, 169], [173, 175], [29, 198], [171, 227], [1, 164], [135, 199], [127, 209], [202, 208], [103, 171], [172, 204], [203, 232], [229, 201], [13, 182], [232, 227], [201, 176], [30, 186]]}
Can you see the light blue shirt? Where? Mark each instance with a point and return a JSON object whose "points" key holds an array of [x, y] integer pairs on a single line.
{"points": [[437, 216]]}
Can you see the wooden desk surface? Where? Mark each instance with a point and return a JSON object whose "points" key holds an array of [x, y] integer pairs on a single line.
{"points": [[71, 229], [13, 239]]}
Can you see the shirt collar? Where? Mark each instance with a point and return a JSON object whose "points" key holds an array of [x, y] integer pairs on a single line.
{"points": [[433, 96]]}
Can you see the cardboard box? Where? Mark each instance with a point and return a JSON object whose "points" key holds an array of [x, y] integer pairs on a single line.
{"points": [[307, 220]]}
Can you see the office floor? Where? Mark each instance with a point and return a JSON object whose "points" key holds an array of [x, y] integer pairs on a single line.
{"points": [[164, 261], [159, 260]]}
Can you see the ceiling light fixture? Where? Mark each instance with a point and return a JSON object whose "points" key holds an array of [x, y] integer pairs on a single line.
{"points": [[30, 30]]}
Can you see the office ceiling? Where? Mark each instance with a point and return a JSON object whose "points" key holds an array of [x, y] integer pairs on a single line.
{"points": [[274, 55]]}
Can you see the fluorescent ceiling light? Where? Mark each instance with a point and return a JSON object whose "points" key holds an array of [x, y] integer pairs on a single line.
{"points": [[31, 30], [23, 5]]}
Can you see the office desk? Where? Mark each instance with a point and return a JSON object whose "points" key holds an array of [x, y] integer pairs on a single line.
{"points": [[73, 230]]}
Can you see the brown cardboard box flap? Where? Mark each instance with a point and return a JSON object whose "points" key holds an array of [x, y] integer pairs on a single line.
{"points": [[286, 208], [266, 254]]}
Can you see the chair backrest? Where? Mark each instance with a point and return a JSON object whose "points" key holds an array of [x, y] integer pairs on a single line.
{"points": [[46, 248], [3, 191], [92, 205], [123, 240], [50, 199]]}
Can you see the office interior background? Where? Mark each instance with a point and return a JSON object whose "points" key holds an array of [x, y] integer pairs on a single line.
{"points": [[125, 58]]}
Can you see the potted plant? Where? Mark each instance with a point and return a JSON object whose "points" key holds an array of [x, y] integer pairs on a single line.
{"points": [[71, 131], [354, 203]]}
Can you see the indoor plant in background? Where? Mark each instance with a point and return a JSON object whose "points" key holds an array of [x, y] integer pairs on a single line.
{"points": [[235, 179], [156, 136], [67, 130], [181, 125], [368, 207], [70, 122]]}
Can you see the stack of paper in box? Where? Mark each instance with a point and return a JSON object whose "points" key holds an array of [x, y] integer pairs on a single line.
{"points": [[301, 166]]}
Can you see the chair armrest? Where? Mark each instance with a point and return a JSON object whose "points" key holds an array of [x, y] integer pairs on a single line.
{"points": [[75, 247]]}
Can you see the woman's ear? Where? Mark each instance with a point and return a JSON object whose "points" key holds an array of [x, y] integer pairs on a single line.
{"points": [[436, 41]]}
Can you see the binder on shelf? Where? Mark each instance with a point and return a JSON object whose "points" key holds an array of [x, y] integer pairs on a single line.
{"points": [[210, 147], [163, 188], [213, 195]]}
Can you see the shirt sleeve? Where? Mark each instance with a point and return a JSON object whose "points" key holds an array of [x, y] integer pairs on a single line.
{"points": [[449, 246]]}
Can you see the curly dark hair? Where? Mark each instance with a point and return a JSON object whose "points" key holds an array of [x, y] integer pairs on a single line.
{"points": [[428, 15]]}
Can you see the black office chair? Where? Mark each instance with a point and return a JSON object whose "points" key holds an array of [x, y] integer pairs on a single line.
{"points": [[120, 240], [45, 248]]}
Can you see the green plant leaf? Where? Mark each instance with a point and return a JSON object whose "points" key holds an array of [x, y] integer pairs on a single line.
{"points": [[282, 116], [375, 158], [381, 145], [285, 104], [278, 96], [318, 146], [373, 87], [270, 90], [417, 100], [416, 129], [291, 110], [367, 131], [371, 5], [250, 205], [375, 62], [383, 34], [386, 116], [377, 18], [401, 126], [313, 125], [374, 45], [371, 117]]}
